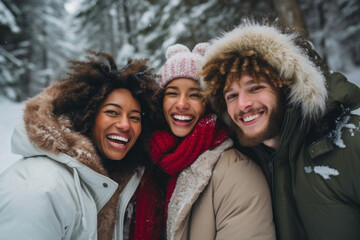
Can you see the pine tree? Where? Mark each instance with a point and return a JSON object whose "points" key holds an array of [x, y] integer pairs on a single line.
{"points": [[37, 50]]}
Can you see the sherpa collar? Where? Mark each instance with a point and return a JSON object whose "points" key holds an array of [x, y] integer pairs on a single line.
{"points": [[189, 185]]}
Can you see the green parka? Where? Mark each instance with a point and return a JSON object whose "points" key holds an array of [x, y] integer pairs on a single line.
{"points": [[314, 174]]}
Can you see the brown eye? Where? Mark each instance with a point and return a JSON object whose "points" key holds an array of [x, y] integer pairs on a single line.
{"points": [[256, 88], [135, 118], [170, 93], [231, 96], [196, 95], [111, 112]]}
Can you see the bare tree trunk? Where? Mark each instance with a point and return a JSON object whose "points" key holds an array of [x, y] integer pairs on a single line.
{"points": [[290, 14], [111, 19], [322, 21], [26, 78], [45, 60], [127, 21]]}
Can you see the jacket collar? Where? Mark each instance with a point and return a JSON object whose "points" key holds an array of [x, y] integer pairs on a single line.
{"points": [[190, 183], [44, 133], [21, 144], [54, 134]]}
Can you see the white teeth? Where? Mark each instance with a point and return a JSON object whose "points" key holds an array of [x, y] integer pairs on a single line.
{"points": [[250, 118], [182, 118], [119, 138]]}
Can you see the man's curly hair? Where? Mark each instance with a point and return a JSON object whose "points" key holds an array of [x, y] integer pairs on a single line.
{"points": [[222, 71], [89, 83]]}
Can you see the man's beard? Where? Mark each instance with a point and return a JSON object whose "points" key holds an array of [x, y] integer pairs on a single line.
{"points": [[271, 130]]}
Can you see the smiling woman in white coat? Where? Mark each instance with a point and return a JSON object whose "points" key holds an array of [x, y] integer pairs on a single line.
{"points": [[84, 172]]}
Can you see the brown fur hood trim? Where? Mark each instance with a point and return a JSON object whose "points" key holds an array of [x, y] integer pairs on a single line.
{"points": [[54, 135], [309, 86]]}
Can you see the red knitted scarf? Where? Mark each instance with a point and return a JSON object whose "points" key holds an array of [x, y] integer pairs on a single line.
{"points": [[149, 210], [173, 157], [148, 217]]}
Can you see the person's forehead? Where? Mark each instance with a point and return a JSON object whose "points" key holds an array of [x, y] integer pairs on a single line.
{"points": [[246, 80]]}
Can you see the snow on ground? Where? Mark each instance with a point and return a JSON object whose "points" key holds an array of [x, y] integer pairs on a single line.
{"points": [[11, 114]]}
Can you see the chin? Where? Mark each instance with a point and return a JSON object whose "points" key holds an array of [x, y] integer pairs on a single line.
{"points": [[181, 132], [251, 140], [115, 156]]}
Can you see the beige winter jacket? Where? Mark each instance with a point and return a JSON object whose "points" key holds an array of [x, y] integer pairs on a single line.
{"points": [[222, 195]]}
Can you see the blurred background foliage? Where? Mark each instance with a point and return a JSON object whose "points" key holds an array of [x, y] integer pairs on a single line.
{"points": [[38, 37]]}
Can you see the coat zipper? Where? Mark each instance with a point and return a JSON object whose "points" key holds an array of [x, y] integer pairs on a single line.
{"points": [[125, 197], [286, 123]]}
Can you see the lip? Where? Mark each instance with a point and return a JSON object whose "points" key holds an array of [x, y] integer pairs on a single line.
{"points": [[118, 141], [182, 119], [252, 118]]}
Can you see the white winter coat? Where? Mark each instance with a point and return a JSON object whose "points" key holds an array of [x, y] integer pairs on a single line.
{"points": [[53, 196]]}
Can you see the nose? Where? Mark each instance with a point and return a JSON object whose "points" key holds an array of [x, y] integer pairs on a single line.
{"points": [[182, 102], [122, 123], [244, 101]]}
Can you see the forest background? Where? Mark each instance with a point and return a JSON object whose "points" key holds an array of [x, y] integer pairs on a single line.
{"points": [[38, 37]]}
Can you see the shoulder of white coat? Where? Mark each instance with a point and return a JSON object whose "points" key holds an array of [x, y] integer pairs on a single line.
{"points": [[37, 172], [39, 181]]}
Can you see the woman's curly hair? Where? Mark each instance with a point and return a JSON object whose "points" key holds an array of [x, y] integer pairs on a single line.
{"points": [[90, 82]]}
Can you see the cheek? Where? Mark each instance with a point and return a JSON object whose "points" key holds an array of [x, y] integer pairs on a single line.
{"points": [[97, 129], [166, 109], [270, 101], [101, 122], [166, 104], [96, 137], [230, 109], [199, 108], [137, 130]]}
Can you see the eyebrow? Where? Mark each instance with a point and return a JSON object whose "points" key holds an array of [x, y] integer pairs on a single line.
{"points": [[248, 83], [194, 89], [118, 106], [176, 88], [227, 90]]}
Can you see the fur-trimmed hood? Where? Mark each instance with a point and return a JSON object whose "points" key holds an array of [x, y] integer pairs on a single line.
{"points": [[53, 134], [45, 134], [308, 88]]}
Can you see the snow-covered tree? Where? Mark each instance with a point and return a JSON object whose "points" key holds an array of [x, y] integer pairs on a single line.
{"points": [[34, 46], [38, 36], [9, 63], [159, 24], [290, 13], [335, 30]]}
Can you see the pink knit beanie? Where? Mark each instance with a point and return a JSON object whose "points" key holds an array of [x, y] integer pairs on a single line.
{"points": [[181, 63]]}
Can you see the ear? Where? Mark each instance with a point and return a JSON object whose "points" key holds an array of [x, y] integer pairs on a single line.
{"points": [[174, 49]]}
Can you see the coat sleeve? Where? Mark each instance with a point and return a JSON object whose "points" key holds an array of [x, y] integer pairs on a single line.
{"points": [[347, 162], [35, 212], [242, 199]]}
